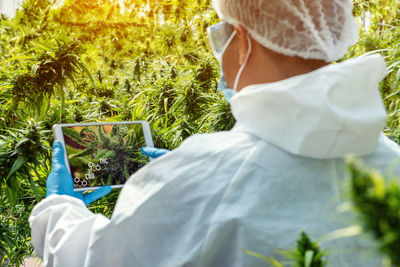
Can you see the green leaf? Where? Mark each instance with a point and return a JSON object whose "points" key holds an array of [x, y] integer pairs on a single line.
{"points": [[45, 48], [33, 186], [18, 163], [262, 257], [11, 193], [87, 73], [398, 76], [308, 258]]}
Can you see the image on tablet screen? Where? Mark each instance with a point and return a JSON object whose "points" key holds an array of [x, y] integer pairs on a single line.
{"points": [[104, 154]]}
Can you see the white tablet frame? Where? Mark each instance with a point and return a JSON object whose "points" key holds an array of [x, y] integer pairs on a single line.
{"points": [[58, 135]]}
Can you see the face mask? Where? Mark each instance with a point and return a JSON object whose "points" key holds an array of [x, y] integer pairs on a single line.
{"points": [[222, 85]]}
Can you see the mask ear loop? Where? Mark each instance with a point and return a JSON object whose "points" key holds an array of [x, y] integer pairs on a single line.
{"points": [[244, 65], [226, 46]]}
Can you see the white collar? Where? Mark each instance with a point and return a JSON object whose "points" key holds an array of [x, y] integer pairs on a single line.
{"points": [[327, 113]]}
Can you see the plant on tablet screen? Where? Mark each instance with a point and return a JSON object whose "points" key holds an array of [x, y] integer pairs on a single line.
{"points": [[110, 154]]}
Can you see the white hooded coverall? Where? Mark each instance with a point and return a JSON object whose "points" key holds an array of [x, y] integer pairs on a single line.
{"points": [[256, 187]]}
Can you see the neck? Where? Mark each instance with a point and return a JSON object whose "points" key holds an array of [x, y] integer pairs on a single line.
{"points": [[266, 66]]}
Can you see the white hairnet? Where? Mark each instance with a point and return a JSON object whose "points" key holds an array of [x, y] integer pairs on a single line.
{"points": [[311, 29]]}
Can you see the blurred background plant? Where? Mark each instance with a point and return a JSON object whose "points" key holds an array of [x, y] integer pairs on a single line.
{"points": [[377, 201], [374, 199], [306, 254], [106, 60], [380, 31]]}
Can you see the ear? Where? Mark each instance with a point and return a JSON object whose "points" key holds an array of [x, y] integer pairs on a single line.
{"points": [[242, 35]]}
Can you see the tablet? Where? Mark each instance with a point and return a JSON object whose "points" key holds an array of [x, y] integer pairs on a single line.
{"points": [[99, 154]]}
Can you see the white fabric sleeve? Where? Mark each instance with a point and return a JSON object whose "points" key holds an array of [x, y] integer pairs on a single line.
{"points": [[61, 227]]}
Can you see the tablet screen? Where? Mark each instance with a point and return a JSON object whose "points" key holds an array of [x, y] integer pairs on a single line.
{"points": [[104, 154]]}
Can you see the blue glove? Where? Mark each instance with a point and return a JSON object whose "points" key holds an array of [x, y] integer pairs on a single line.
{"points": [[60, 180], [153, 152]]}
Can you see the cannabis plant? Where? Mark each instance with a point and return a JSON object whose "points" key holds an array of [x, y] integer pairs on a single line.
{"points": [[378, 203], [24, 158], [306, 254]]}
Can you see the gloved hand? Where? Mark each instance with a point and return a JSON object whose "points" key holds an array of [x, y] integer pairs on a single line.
{"points": [[153, 152], [60, 181]]}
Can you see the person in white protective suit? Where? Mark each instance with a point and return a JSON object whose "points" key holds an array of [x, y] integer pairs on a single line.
{"points": [[279, 171]]}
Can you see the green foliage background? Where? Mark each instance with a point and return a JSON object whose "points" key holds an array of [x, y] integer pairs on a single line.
{"points": [[377, 200], [91, 61]]}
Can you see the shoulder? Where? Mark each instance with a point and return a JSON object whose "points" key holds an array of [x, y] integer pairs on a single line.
{"points": [[385, 156], [229, 140], [200, 154], [205, 150], [386, 148], [389, 145]]}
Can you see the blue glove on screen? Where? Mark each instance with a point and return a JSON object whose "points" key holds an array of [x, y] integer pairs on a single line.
{"points": [[153, 152], [60, 180]]}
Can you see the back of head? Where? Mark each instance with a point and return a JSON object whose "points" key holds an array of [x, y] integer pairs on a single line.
{"points": [[310, 29]]}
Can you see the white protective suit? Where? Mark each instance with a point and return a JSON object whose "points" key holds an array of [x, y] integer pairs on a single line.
{"points": [[279, 171]]}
